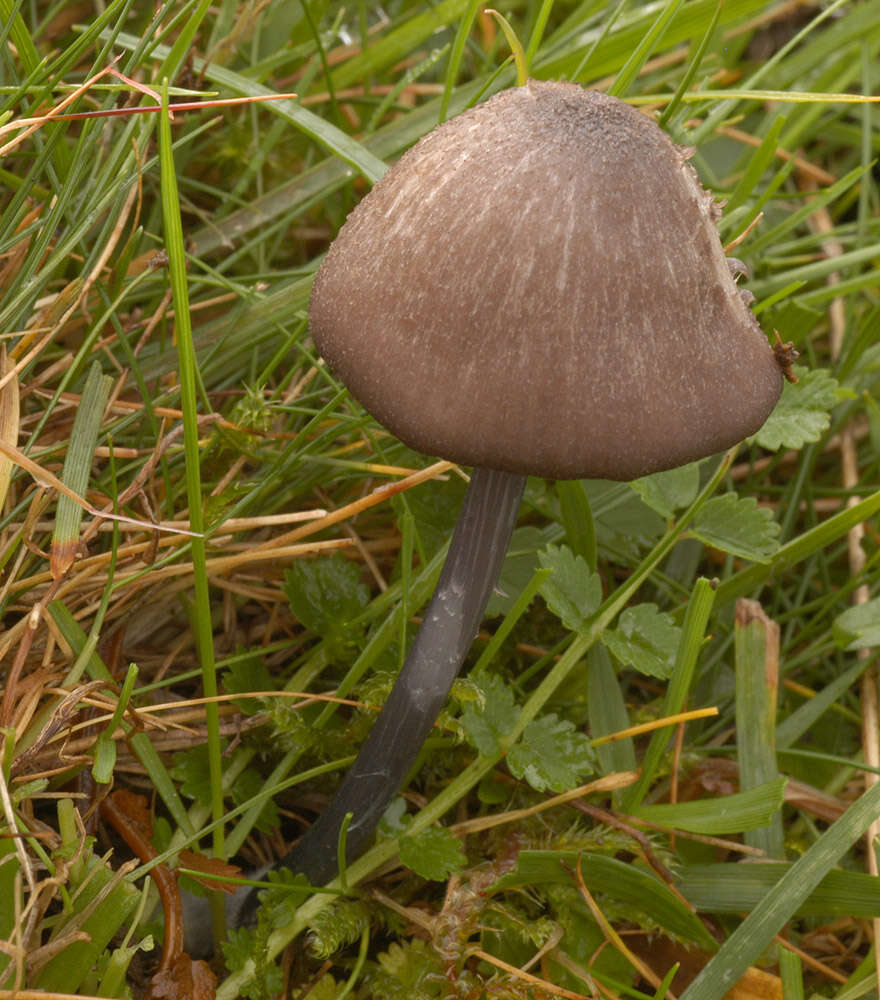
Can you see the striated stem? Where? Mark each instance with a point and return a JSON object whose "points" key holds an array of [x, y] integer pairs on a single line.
{"points": [[451, 621]]}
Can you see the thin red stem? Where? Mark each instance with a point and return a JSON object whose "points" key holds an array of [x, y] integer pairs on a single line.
{"points": [[183, 106]]}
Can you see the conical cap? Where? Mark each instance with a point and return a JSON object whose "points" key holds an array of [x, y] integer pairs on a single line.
{"points": [[538, 286]]}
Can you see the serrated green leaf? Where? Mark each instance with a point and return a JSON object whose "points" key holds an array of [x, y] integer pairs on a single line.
{"points": [[667, 492], [486, 723], [858, 627], [192, 773], [248, 673], [325, 593], [238, 948], [404, 969], [433, 854], [326, 988], [279, 904], [645, 639], [802, 413], [573, 592], [551, 754], [739, 526]]}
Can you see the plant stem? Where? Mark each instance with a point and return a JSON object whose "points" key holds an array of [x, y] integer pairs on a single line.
{"points": [[189, 379], [451, 621]]}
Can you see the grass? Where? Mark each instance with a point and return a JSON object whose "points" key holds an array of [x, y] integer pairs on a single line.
{"points": [[155, 277]]}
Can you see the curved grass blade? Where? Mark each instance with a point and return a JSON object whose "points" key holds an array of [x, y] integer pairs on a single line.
{"points": [[77, 468]]}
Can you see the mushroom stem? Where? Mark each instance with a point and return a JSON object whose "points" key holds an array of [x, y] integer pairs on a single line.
{"points": [[450, 623]]}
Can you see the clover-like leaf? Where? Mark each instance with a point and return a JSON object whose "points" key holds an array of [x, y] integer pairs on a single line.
{"points": [[325, 593], [739, 526], [433, 854], [669, 491], [485, 723], [858, 627], [191, 771], [802, 414], [573, 591], [551, 754], [247, 672], [645, 639]]}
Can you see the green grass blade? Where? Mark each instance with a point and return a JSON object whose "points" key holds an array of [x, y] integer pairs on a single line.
{"points": [[188, 373], [627, 883], [643, 50], [756, 640], [175, 56], [78, 467], [399, 42], [693, 66], [679, 687], [756, 932], [802, 719], [759, 161], [538, 30], [102, 902], [791, 972], [577, 519], [608, 713], [9, 869], [21, 37], [739, 887], [477, 770], [716, 817], [466, 22], [329, 136]]}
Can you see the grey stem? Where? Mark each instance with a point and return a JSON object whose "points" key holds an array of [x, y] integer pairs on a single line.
{"points": [[450, 624]]}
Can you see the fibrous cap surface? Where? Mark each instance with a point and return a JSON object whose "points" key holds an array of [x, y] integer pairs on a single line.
{"points": [[538, 286]]}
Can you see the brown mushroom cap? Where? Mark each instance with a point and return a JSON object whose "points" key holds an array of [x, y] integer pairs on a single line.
{"points": [[538, 286]]}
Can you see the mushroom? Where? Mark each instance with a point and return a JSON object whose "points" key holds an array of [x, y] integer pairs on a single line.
{"points": [[536, 288]]}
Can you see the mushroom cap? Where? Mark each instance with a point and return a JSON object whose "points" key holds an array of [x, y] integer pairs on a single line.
{"points": [[538, 286]]}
